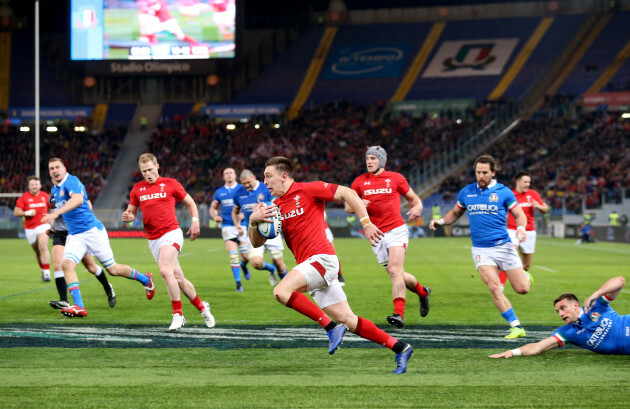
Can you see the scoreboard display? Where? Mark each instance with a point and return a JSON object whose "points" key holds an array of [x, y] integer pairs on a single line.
{"points": [[152, 29]]}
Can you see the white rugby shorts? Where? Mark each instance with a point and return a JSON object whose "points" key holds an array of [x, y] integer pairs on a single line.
{"points": [[503, 256], [526, 247], [398, 237], [31, 234], [320, 272], [173, 238], [231, 233], [274, 244], [93, 241]]}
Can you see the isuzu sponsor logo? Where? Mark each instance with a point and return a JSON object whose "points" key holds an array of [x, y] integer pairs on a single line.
{"points": [[384, 190], [292, 213], [152, 196]]}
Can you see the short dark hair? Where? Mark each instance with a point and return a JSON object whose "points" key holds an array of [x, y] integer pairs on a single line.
{"points": [[32, 177], [521, 174], [282, 164], [486, 159], [566, 296]]}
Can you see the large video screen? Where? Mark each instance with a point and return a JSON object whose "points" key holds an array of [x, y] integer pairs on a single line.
{"points": [[152, 29]]}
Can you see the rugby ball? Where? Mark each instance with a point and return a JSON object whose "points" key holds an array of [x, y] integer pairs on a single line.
{"points": [[271, 230]]}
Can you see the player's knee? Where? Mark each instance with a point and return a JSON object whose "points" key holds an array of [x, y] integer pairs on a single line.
{"points": [[67, 265], [280, 296], [522, 289]]}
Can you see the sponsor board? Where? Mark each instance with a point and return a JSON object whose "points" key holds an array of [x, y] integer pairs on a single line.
{"points": [[366, 61], [470, 58]]}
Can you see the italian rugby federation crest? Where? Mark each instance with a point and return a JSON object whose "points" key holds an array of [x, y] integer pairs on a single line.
{"points": [[494, 197], [595, 316]]}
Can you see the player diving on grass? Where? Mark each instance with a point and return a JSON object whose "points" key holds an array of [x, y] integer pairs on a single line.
{"points": [[596, 326]]}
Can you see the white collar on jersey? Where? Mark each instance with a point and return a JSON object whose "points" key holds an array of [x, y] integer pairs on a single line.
{"points": [[492, 183], [257, 184], [64, 179]]}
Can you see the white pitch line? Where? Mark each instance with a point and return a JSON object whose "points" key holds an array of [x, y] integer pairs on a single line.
{"points": [[547, 269]]}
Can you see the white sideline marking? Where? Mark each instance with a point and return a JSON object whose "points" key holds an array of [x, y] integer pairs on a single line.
{"points": [[547, 269], [148, 336]]}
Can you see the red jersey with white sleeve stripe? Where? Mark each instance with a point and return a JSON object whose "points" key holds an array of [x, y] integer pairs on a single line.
{"points": [[38, 202], [302, 210], [383, 192], [526, 200], [157, 204]]}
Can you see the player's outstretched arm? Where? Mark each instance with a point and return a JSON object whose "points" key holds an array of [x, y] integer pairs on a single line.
{"points": [[75, 201], [610, 289], [372, 233], [529, 349], [214, 211], [449, 218]]}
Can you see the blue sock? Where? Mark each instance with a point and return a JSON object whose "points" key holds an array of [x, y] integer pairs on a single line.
{"points": [[138, 276], [510, 317], [269, 267], [282, 274], [75, 292]]}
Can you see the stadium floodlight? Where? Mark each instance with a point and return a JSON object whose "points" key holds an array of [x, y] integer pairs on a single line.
{"points": [[51, 129], [79, 128], [257, 126], [230, 127], [459, 121], [276, 126], [625, 115], [25, 129]]}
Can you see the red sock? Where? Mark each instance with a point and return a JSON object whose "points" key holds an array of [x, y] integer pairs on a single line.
{"points": [[420, 290], [399, 306], [196, 302], [366, 329], [300, 303], [502, 277], [44, 266], [177, 307]]}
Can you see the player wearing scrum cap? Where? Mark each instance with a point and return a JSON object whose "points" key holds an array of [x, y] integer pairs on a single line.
{"points": [[380, 191]]}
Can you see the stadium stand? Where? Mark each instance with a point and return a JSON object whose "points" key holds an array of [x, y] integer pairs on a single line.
{"points": [[599, 56]]}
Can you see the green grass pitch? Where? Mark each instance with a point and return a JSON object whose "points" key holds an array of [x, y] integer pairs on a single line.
{"points": [[265, 373]]}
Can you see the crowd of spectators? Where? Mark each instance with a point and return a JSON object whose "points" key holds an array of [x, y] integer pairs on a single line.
{"points": [[572, 161], [88, 155]]}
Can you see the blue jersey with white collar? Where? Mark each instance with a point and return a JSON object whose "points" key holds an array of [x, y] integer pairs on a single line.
{"points": [[487, 212], [246, 200], [602, 330], [224, 196], [80, 219]]}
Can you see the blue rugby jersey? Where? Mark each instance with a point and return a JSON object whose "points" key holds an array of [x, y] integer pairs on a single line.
{"points": [[225, 197], [246, 201], [487, 212], [80, 219], [602, 330]]}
